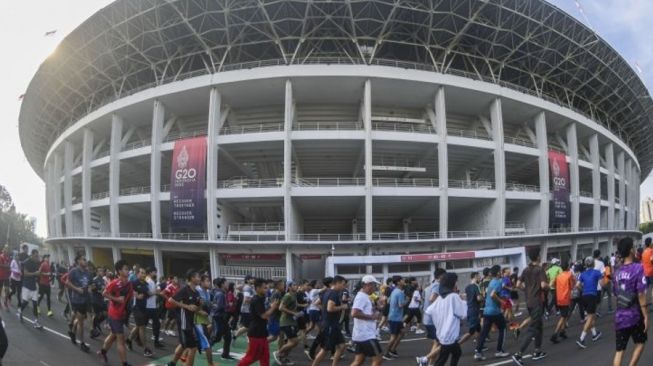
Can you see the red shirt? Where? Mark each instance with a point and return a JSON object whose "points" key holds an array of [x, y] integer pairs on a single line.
{"points": [[4, 272], [117, 288], [44, 280], [170, 291]]}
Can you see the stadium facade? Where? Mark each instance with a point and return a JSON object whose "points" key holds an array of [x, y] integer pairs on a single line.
{"points": [[264, 136]]}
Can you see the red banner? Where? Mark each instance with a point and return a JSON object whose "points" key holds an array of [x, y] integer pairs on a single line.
{"points": [[187, 183], [560, 207], [252, 257], [450, 256], [311, 256]]}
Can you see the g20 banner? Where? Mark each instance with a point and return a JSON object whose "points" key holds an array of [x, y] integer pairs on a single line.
{"points": [[560, 177], [187, 183]]}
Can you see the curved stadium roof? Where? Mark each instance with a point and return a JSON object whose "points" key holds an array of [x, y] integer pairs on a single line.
{"points": [[528, 45]]}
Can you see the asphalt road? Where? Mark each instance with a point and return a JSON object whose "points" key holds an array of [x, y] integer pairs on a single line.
{"points": [[51, 347]]}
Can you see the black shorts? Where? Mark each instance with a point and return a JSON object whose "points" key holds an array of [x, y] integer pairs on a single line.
{"points": [[187, 337], [564, 310], [80, 308], [413, 313], [369, 348], [301, 323], [140, 317], [635, 332], [395, 327], [331, 338], [386, 310], [514, 295], [99, 307], [290, 331], [245, 319], [44, 290], [589, 303], [117, 326]]}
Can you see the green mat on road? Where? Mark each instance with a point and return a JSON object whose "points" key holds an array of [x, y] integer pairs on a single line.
{"points": [[237, 351]]}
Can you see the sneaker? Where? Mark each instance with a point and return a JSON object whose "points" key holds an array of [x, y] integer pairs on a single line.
{"points": [[37, 325], [84, 347], [581, 344], [130, 345], [554, 339], [420, 361], [102, 356], [387, 357], [501, 354], [308, 354], [50, 314], [277, 359], [597, 337], [478, 356], [385, 329], [419, 331], [413, 328], [538, 355], [227, 357], [351, 349], [563, 335], [393, 354], [73, 337], [517, 359], [147, 353]]}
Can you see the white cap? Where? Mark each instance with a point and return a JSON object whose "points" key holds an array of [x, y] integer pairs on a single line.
{"points": [[555, 261], [369, 279]]}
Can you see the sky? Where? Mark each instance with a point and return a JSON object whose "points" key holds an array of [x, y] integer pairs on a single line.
{"points": [[23, 24]]}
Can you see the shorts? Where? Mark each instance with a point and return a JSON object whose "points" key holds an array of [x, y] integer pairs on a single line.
{"points": [[99, 307], [81, 308], [290, 331], [514, 295], [369, 348], [395, 327], [386, 310], [172, 314], [200, 333], [414, 313], [315, 316], [301, 323], [474, 324], [117, 326], [44, 289], [28, 294], [635, 332], [245, 319], [506, 304], [273, 328], [649, 281], [430, 332], [589, 303], [140, 317], [331, 337], [564, 310], [187, 337]]}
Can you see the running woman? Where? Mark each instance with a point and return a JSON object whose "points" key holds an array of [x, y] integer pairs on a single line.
{"points": [[365, 316], [257, 348], [631, 318], [119, 292], [44, 283], [447, 312]]}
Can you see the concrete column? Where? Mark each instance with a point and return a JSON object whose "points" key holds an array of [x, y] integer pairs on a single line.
{"points": [[115, 251], [87, 156], [621, 162], [572, 151], [386, 272], [367, 123], [57, 195], [49, 199], [543, 165], [212, 165], [158, 118], [637, 200], [68, 186], [432, 268], [609, 159], [574, 250], [213, 262], [114, 174], [496, 118], [71, 254], [289, 112], [443, 160], [544, 251], [629, 195], [158, 261], [368, 268], [596, 181], [289, 265], [88, 251]]}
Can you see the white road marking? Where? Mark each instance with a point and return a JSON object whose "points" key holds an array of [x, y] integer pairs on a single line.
{"points": [[43, 363], [49, 329], [505, 362]]}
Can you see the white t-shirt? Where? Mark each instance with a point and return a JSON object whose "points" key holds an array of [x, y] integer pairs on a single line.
{"points": [[151, 300], [312, 296], [364, 329], [446, 314], [247, 294], [599, 266], [415, 301]]}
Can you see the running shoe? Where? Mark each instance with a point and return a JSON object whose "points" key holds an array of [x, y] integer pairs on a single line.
{"points": [[538, 355], [84, 347], [387, 357], [277, 358], [308, 354], [420, 361], [129, 344], [419, 331], [517, 359], [597, 337], [37, 325], [50, 314], [73, 337], [581, 344], [478, 356], [393, 354], [227, 357], [147, 353], [501, 354]]}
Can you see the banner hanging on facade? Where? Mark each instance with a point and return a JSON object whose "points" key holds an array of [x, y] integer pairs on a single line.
{"points": [[187, 184], [559, 210]]}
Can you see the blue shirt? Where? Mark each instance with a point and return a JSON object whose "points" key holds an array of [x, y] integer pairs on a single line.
{"points": [[590, 280], [491, 306], [397, 300]]}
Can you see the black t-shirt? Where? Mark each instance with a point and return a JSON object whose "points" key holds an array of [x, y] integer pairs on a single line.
{"points": [[98, 289], [258, 327], [301, 300], [31, 266], [140, 288], [331, 319], [187, 296], [276, 296]]}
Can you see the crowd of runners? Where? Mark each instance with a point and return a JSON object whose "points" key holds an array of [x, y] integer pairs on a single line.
{"points": [[201, 311]]}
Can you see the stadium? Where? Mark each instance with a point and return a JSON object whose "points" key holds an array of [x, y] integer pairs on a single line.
{"points": [[289, 139]]}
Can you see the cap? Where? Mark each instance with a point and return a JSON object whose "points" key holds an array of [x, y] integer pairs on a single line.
{"points": [[369, 279], [555, 261], [589, 262]]}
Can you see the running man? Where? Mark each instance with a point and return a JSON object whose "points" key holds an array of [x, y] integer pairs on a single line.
{"points": [[44, 283], [288, 322], [257, 348], [565, 282], [97, 301], [5, 264], [245, 315], [474, 301], [141, 293], [29, 291], [492, 316], [647, 263], [589, 283], [187, 301], [119, 292], [447, 312], [331, 339], [202, 319], [78, 282], [365, 316], [430, 295], [395, 317], [631, 318]]}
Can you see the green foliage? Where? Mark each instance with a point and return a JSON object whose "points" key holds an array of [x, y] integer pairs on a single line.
{"points": [[646, 227], [15, 227]]}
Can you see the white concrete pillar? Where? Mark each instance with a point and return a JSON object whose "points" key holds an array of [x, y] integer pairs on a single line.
{"points": [[71, 254], [289, 115], [158, 118], [443, 160], [114, 174], [574, 250], [87, 156], [596, 181], [572, 151], [367, 123], [543, 167], [496, 118], [158, 261], [213, 262], [58, 169], [88, 252], [544, 251], [49, 199], [289, 265], [115, 252], [621, 162], [636, 193], [68, 186], [609, 159], [212, 165], [386, 272], [629, 195]]}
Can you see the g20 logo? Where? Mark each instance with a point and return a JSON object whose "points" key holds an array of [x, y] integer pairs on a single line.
{"points": [[560, 182], [186, 173]]}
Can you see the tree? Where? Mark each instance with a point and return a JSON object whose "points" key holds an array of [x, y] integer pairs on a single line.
{"points": [[646, 227], [15, 227]]}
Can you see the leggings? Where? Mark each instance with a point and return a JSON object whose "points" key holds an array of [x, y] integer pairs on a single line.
{"points": [[452, 350], [45, 291], [16, 288]]}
